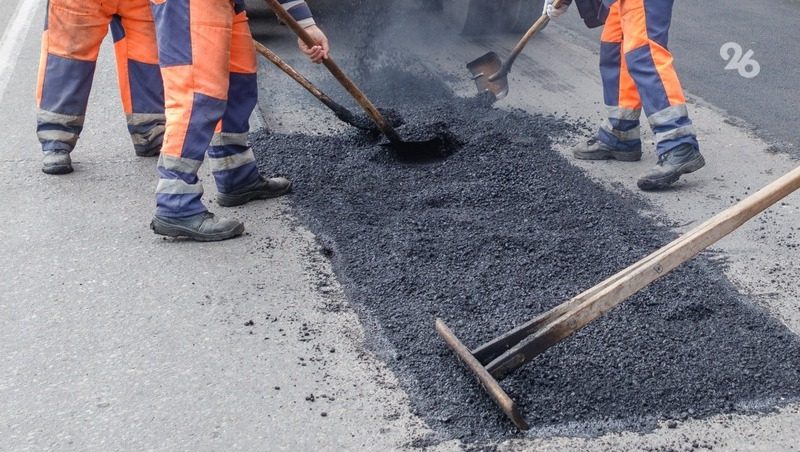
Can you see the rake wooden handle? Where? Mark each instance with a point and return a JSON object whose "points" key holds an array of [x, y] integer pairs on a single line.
{"points": [[538, 25], [337, 73], [487, 381], [586, 307]]}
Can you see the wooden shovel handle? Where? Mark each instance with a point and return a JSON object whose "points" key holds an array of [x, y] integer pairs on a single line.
{"points": [[538, 25], [296, 76], [334, 69]]}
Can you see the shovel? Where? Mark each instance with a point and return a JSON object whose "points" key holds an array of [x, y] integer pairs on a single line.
{"points": [[491, 74], [431, 147], [359, 122], [497, 358]]}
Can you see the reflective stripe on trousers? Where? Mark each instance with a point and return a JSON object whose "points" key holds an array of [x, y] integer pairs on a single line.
{"points": [[74, 31], [638, 73], [208, 64]]}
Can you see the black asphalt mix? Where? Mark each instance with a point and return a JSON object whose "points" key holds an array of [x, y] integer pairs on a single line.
{"points": [[500, 231]]}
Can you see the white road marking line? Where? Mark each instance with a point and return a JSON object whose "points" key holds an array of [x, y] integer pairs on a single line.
{"points": [[13, 38]]}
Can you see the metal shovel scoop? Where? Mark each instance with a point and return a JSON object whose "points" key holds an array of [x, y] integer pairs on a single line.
{"points": [[491, 74], [429, 148]]}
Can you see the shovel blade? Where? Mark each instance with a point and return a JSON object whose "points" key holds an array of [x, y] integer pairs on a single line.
{"points": [[483, 68]]}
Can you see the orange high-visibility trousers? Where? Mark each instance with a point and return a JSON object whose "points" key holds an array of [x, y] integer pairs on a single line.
{"points": [[73, 32], [208, 63], [637, 71]]}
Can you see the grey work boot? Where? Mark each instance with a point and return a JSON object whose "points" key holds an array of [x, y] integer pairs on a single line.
{"points": [[671, 165], [204, 227], [56, 162], [148, 144], [263, 188], [152, 150], [595, 149]]}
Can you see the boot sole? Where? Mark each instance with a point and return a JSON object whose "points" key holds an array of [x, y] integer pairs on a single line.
{"points": [[666, 181], [170, 230], [622, 156], [237, 200], [152, 153], [57, 169]]}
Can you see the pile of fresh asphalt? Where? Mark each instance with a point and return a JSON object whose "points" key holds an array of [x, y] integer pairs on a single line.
{"points": [[504, 229]]}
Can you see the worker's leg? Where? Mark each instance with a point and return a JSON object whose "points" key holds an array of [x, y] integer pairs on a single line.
{"points": [[645, 27], [71, 41], [140, 83], [230, 157], [194, 41], [618, 138], [619, 91]]}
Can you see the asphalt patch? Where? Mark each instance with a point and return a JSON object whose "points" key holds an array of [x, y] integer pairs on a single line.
{"points": [[501, 230]]}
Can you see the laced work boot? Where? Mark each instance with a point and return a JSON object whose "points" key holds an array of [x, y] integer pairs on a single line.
{"points": [[595, 149], [204, 227], [149, 144], [671, 165], [56, 162], [151, 150], [263, 188]]}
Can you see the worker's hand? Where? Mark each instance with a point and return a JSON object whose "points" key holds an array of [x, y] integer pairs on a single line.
{"points": [[552, 12], [318, 52]]}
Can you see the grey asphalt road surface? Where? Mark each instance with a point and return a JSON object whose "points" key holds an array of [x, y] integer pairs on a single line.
{"points": [[558, 73], [112, 338]]}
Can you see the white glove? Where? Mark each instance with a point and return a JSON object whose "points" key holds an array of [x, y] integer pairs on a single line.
{"points": [[552, 12]]}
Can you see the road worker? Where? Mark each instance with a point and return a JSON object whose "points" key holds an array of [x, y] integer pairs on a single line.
{"points": [[637, 72], [208, 63], [73, 32]]}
